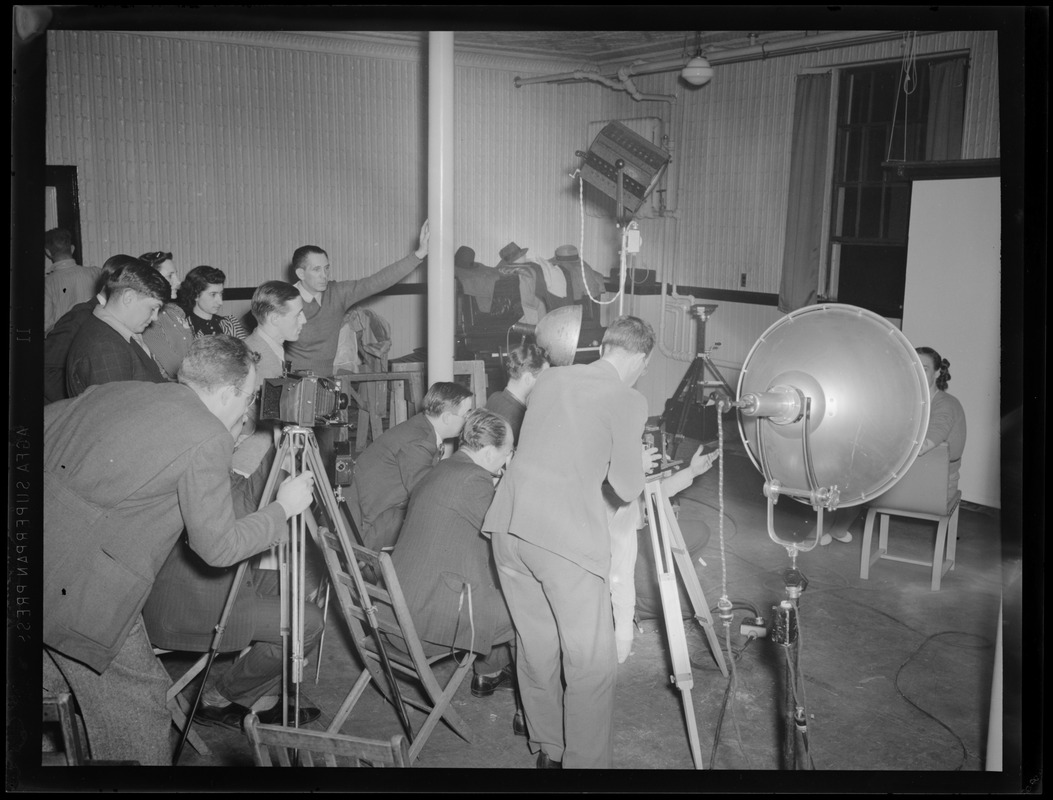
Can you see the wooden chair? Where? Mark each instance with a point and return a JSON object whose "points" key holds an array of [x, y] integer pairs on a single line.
{"points": [[402, 644], [303, 748], [58, 709], [179, 706], [921, 494]]}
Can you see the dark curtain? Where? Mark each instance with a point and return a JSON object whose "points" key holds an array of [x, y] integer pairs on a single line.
{"points": [[946, 111], [800, 258]]}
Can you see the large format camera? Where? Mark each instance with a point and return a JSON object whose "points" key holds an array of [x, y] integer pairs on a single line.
{"points": [[303, 399]]}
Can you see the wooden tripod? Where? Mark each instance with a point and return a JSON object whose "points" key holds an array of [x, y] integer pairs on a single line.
{"points": [[669, 549]]}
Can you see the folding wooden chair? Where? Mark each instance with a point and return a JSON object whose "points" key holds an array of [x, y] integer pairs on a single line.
{"points": [[178, 704], [59, 709], [401, 642], [303, 748]]}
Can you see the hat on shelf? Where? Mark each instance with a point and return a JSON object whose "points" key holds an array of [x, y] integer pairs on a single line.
{"points": [[464, 257], [565, 253], [511, 253]]}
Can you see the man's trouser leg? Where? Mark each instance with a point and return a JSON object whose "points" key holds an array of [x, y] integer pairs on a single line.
{"points": [[581, 602], [558, 607], [259, 671], [125, 708], [537, 648]]}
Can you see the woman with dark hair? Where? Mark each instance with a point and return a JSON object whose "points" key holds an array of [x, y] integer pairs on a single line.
{"points": [[523, 364], [170, 335], [201, 298], [946, 416]]}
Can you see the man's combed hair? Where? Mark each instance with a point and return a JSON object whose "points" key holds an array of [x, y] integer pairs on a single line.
{"points": [[58, 240], [197, 281], [300, 255], [630, 334], [129, 274], [443, 397], [270, 297], [482, 428], [213, 362], [525, 358]]}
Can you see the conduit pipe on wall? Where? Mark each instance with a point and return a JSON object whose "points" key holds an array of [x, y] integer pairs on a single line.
{"points": [[809, 44], [440, 276]]}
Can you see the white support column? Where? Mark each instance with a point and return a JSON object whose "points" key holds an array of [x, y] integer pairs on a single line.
{"points": [[440, 275]]}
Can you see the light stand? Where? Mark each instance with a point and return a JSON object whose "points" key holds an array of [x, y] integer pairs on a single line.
{"points": [[702, 375], [833, 404]]}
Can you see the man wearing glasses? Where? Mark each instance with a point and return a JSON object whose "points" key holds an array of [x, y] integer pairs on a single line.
{"points": [[188, 595], [127, 467]]}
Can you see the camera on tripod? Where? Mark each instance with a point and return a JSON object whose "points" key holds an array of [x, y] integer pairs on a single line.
{"points": [[304, 399]]}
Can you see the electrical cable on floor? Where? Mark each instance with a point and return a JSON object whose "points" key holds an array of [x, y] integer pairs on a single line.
{"points": [[965, 750]]}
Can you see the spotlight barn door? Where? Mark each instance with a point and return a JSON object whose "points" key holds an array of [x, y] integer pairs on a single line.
{"points": [[645, 163]]}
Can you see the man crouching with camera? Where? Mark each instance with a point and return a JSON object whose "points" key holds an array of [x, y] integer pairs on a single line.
{"points": [[127, 466]]}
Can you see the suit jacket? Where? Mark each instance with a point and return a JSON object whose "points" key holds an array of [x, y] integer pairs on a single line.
{"points": [[188, 595], [98, 354], [440, 550], [56, 349], [270, 365], [583, 426], [126, 466], [385, 474]]}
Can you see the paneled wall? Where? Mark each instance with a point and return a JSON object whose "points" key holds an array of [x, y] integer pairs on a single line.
{"points": [[232, 149]]}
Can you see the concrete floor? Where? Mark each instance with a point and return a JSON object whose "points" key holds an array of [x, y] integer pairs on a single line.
{"points": [[896, 678]]}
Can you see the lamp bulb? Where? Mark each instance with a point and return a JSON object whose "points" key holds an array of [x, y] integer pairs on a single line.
{"points": [[697, 71]]}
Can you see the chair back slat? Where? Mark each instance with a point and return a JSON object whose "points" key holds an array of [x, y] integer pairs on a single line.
{"points": [[306, 748], [923, 488]]}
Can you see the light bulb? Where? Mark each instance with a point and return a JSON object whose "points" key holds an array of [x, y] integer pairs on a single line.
{"points": [[697, 71]]}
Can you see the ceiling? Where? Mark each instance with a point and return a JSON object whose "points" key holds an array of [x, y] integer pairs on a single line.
{"points": [[602, 48]]}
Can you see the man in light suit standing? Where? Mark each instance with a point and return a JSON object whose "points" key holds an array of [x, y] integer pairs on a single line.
{"points": [[552, 544]]}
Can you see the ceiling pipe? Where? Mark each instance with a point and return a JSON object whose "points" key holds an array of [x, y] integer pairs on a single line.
{"points": [[622, 83], [822, 41]]}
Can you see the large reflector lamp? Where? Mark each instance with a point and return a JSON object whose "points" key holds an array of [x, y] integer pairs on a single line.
{"points": [[558, 332], [833, 407]]}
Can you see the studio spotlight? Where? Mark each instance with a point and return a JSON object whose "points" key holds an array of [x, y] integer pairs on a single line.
{"points": [[557, 332], [833, 407]]}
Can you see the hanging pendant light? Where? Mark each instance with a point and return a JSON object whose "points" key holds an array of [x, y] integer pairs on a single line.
{"points": [[698, 71]]}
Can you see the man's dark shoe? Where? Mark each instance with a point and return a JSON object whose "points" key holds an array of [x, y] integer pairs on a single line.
{"points": [[273, 715], [544, 762], [519, 727], [228, 716], [483, 686]]}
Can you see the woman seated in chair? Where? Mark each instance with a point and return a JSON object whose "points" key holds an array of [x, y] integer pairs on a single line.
{"points": [[201, 298], [946, 416]]}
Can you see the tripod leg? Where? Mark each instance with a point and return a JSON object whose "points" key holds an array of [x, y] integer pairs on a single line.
{"points": [[217, 639], [657, 522], [688, 575]]}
